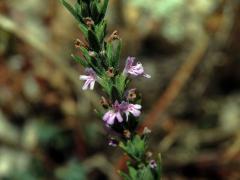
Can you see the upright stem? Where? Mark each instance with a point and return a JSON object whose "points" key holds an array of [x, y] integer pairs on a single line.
{"points": [[122, 106]]}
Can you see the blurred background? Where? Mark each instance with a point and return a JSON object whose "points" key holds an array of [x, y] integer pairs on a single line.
{"points": [[48, 129]]}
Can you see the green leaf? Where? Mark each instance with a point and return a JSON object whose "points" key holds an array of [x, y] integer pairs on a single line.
{"points": [[134, 147], [101, 31], [113, 53], [106, 84], [90, 60], [94, 11], [78, 12], [125, 176], [84, 30], [109, 51], [70, 9], [80, 60], [84, 9], [93, 41], [145, 173], [117, 53], [103, 9], [120, 83], [132, 172]]}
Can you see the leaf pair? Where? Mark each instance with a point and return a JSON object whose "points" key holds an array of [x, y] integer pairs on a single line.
{"points": [[87, 8], [135, 147]]}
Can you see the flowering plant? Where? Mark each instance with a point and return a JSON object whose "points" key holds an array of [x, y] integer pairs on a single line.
{"points": [[122, 106]]}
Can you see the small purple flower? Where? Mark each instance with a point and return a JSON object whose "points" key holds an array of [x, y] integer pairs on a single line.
{"points": [[135, 70], [110, 116], [90, 79], [134, 109], [113, 142], [152, 164]]}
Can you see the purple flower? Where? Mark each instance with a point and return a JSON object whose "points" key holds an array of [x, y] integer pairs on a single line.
{"points": [[135, 70], [152, 164], [110, 116], [134, 109], [90, 79], [116, 113], [113, 142]]}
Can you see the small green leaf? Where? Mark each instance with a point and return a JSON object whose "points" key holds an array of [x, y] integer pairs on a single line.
{"points": [[78, 12], [113, 53], [106, 84], [132, 172], [109, 59], [84, 29], [94, 11], [117, 53], [125, 176], [103, 9], [80, 60], [134, 147], [101, 30], [90, 60], [145, 173], [70, 9], [120, 83], [84, 9]]}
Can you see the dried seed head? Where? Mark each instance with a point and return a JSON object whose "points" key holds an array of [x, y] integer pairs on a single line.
{"points": [[104, 102], [127, 133], [146, 130], [110, 72], [78, 43], [149, 154], [131, 95], [88, 21], [113, 36], [92, 53]]}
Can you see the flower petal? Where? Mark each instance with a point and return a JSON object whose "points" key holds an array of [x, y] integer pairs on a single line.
{"points": [[119, 117], [136, 112], [147, 75], [92, 85], [83, 77], [86, 84], [111, 119], [137, 106]]}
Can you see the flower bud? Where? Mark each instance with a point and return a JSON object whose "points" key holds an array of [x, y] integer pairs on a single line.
{"points": [[88, 21], [104, 102], [110, 72], [131, 95], [127, 133], [146, 130], [78, 44], [113, 36]]}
